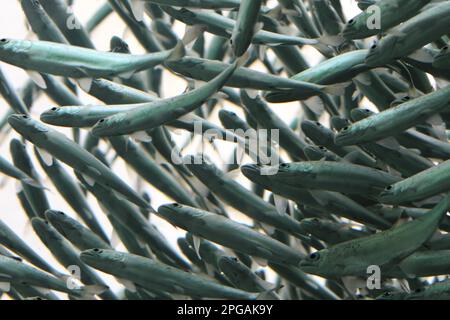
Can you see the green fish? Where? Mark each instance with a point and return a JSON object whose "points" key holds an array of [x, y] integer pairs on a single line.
{"points": [[395, 120], [152, 275], [427, 26], [154, 114], [391, 14], [62, 148], [219, 229], [384, 249]]}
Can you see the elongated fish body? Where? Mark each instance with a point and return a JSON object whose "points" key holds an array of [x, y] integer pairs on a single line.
{"points": [[424, 263], [331, 232], [205, 70], [66, 254], [436, 291], [202, 4], [13, 271], [72, 154], [330, 202], [422, 185], [135, 222], [74, 62], [353, 257], [154, 275], [154, 114], [229, 233], [240, 198], [335, 70], [392, 13], [412, 35], [395, 120], [244, 27], [149, 170], [72, 193], [13, 242], [334, 176], [75, 232], [223, 26], [12, 171]]}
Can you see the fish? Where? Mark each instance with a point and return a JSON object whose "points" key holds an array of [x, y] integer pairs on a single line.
{"points": [[153, 114], [77, 62], [69, 152], [427, 26], [391, 13], [155, 275], [79, 235], [352, 258], [219, 229], [14, 271], [395, 120], [246, 26], [425, 184], [67, 255]]}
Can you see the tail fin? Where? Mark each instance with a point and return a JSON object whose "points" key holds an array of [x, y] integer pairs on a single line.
{"points": [[337, 89], [178, 52]]}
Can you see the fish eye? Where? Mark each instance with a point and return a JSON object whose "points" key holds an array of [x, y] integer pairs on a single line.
{"points": [[316, 220], [386, 294], [366, 110], [318, 123], [322, 148], [61, 213], [25, 117], [97, 250], [388, 187], [54, 109], [101, 120], [374, 46], [284, 165], [345, 128], [4, 40], [314, 256], [445, 48], [176, 205], [351, 21], [418, 290]]}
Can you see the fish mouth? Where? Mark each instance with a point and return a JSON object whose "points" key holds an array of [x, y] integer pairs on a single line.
{"points": [[90, 255], [168, 210], [17, 120], [100, 129], [251, 170]]}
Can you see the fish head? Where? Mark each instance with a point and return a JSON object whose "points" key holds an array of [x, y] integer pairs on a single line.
{"points": [[180, 215], [254, 172], [310, 224], [14, 49], [317, 152], [382, 52], [316, 132], [44, 229], [442, 58], [344, 136], [27, 126], [59, 220], [390, 195], [105, 126], [392, 296], [352, 28], [104, 259], [59, 115], [360, 113], [316, 263]]}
